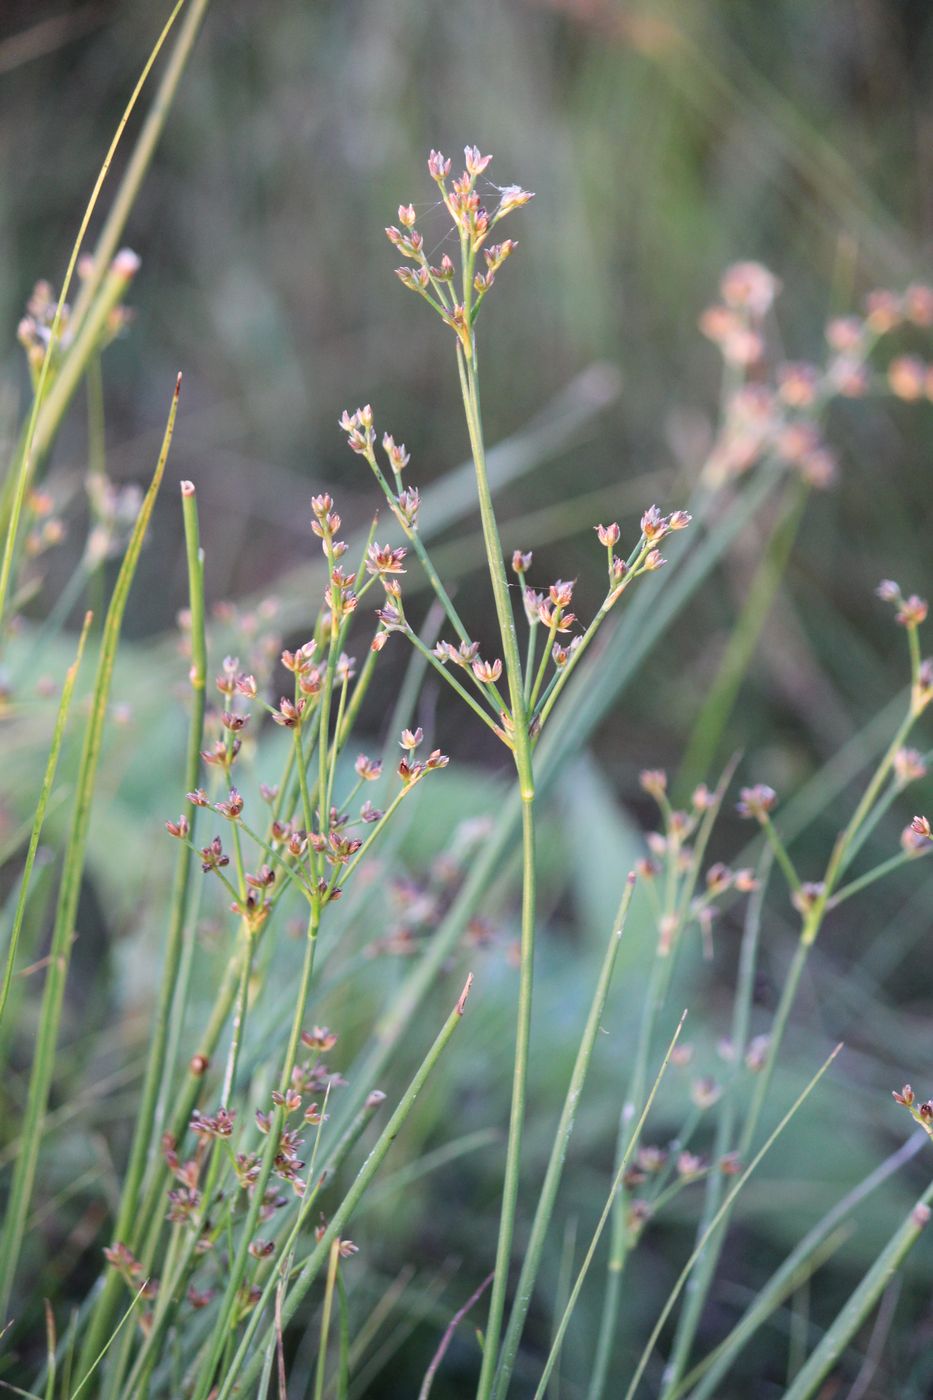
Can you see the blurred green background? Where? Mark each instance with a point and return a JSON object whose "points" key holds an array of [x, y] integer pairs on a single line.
{"points": [[663, 142]]}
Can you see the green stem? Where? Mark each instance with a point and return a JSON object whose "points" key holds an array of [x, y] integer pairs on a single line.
{"points": [[861, 1302], [887, 867], [702, 1277], [555, 1166], [28, 452], [720, 701], [714, 1223], [711, 1372], [558, 1342], [144, 1145], [333, 1263], [523, 763], [143, 152], [41, 808], [43, 1067]]}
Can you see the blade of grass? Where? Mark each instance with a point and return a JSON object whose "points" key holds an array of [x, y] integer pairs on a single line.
{"points": [[861, 1301], [143, 152], [603, 1220], [720, 1214], [714, 716], [23, 475], [320, 1375], [41, 809], [69, 890], [552, 1177], [145, 1141], [109, 1343]]}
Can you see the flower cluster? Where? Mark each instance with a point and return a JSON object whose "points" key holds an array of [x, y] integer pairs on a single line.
{"points": [[774, 409]]}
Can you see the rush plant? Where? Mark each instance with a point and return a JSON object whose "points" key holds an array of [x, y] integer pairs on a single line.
{"points": [[258, 1132]]}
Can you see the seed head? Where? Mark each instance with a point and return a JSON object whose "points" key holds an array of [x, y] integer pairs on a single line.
{"points": [[383, 559], [487, 672], [609, 535], [907, 378], [561, 593], [511, 197], [410, 740], [689, 1166], [909, 766], [654, 782], [808, 896], [905, 1097], [521, 563], [912, 611], [319, 1038], [756, 801], [884, 311], [844, 333], [369, 769], [213, 857], [409, 502], [179, 828], [232, 808], [289, 712], [438, 166], [748, 286]]}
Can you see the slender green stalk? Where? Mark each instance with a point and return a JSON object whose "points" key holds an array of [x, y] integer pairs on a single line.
{"points": [[861, 1301], [145, 1140], [558, 1341], [41, 808], [143, 152], [72, 871], [887, 867], [333, 1264], [524, 769], [676, 907], [73, 1394], [555, 1166], [717, 1218], [23, 475], [720, 699], [242, 1372], [711, 1372], [701, 1277]]}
